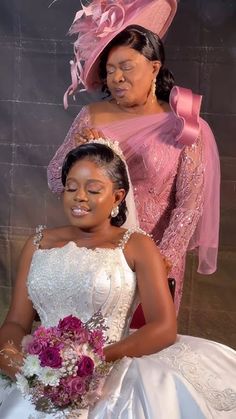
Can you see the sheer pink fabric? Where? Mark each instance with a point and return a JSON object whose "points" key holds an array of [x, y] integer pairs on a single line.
{"points": [[176, 186]]}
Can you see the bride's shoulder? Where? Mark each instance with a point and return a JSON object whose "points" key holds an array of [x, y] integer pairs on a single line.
{"points": [[48, 238], [136, 238]]}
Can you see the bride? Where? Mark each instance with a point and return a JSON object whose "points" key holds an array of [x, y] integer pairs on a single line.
{"points": [[94, 264]]}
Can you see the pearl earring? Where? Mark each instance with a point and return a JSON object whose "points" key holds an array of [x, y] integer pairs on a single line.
{"points": [[114, 212]]}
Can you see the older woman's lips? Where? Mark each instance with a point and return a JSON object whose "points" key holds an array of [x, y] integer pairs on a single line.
{"points": [[120, 92]]}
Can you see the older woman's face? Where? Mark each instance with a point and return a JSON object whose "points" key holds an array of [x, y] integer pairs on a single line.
{"points": [[130, 75]]}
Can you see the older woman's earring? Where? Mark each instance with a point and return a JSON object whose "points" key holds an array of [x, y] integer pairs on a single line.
{"points": [[114, 212], [154, 85]]}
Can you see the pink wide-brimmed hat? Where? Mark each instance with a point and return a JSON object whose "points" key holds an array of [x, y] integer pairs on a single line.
{"points": [[99, 22]]}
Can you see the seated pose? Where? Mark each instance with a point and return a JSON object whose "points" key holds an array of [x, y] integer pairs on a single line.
{"points": [[93, 264]]}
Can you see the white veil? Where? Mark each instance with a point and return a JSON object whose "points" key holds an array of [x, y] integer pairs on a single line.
{"points": [[132, 216]]}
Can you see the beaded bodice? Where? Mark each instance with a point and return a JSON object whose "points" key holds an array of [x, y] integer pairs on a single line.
{"points": [[80, 281]]}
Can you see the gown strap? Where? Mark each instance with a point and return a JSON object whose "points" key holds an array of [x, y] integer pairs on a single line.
{"points": [[128, 234], [38, 235]]}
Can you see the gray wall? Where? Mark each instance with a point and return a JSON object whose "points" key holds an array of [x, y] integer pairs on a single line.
{"points": [[34, 70]]}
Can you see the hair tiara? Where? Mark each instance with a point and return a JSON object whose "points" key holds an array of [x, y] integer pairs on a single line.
{"points": [[114, 145]]}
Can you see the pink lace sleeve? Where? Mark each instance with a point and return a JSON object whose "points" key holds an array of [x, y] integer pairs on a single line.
{"points": [[54, 168], [189, 204]]}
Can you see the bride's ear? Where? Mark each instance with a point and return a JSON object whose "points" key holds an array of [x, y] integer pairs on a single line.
{"points": [[119, 195], [156, 67]]}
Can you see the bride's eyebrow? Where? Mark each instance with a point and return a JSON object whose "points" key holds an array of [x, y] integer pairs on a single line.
{"points": [[95, 181], [73, 179]]}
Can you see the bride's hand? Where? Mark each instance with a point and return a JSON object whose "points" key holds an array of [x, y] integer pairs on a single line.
{"points": [[88, 134]]}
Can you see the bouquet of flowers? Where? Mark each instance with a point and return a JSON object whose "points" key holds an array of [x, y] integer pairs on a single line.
{"points": [[64, 366]]}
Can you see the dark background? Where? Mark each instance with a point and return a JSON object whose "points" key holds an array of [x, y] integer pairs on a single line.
{"points": [[34, 73]]}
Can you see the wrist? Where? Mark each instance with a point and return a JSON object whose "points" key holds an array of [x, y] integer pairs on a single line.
{"points": [[113, 352]]}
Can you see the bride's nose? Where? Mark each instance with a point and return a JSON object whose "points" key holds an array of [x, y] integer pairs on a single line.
{"points": [[80, 195]]}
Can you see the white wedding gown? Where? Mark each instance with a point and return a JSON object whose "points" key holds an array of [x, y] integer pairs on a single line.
{"points": [[192, 379]]}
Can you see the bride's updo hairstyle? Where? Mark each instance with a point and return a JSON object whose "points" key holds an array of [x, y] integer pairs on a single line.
{"points": [[104, 157], [150, 46]]}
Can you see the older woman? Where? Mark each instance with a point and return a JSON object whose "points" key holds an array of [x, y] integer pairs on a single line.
{"points": [[170, 151]]}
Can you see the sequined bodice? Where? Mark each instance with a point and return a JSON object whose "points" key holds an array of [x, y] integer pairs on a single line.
{"points": [[80, 281]]}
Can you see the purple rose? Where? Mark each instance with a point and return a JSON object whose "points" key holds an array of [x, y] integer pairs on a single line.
{"points": [[85, 366], [71, 324], [36, 347], [76, 387], [50, 357]]}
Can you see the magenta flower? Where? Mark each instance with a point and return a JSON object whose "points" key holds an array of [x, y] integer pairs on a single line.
{"points": [[50, 357], [85, 366], [71, 324], [36, 347]]}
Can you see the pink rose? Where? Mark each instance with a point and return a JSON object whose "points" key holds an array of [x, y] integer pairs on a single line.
{"points": [[36, 347], [76, 386], [85, 366], [71, 324], [50, 357]]}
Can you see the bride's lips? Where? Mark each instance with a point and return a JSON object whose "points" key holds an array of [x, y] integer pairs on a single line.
{"points": [[79, 211]]}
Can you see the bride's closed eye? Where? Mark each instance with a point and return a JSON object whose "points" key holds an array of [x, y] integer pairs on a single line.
{"points": [[70, 187], [94, 192]]}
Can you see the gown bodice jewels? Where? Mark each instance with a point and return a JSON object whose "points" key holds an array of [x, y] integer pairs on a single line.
{"points": [[80, 281]]}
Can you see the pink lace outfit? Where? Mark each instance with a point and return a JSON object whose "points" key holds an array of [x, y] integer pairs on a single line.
{"points": [[176, 186]]}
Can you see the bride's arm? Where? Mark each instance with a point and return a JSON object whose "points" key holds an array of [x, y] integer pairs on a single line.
{"points": [[20, 317], [161, 327]]}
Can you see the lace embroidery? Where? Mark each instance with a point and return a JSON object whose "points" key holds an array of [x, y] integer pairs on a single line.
{"points": [[189, 193], [186, 213], [184, 360]]}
